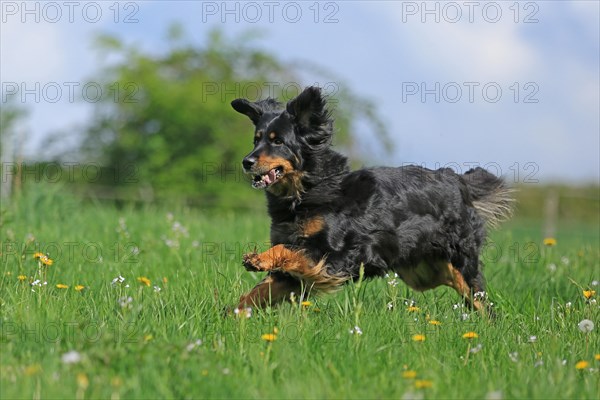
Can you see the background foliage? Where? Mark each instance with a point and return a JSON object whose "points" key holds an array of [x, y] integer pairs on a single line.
{"points": [[170, 128]]}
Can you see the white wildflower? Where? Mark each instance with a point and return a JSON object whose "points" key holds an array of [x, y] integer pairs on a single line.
{"points": [[71, 357], [356, 331], [193, 345], [481, 295], [125, 302]]}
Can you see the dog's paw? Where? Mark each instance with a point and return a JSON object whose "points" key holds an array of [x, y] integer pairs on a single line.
{"points": [[252, 263]]}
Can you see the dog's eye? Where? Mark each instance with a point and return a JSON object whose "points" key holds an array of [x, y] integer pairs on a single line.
{"points": [[277, 141]]}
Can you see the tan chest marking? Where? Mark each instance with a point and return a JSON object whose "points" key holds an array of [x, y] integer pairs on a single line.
{"points": [[311, 226]]}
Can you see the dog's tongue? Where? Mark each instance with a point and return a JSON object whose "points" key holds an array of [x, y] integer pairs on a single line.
{"points": [[270, 177]]}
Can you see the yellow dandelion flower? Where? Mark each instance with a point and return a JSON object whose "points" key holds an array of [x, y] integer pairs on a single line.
{"points": [[79, 288], [470, 335], [435, 322], [82, 381], [549, 241], [423, 384], [418, 338], [32, 369], [144, 281], [409, 374], [43, 258], [116, 382], [597, 357], [306, 303], [165, 280], [22, 278], [269, 337], [62, 286], [588, 294], [413, 309], [582, 365]]}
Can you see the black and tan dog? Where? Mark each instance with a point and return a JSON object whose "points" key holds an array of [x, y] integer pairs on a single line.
{"points": [[427, 226]]}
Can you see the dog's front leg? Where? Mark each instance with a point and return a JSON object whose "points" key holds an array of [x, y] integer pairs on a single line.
{"points": [[276, 258], [295, 263], [276, 287]]}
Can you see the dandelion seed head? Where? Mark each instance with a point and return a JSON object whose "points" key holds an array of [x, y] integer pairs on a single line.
{"points": [[476, 349], [586, 326]]}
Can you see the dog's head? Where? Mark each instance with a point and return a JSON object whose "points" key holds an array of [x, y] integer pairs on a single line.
{"points": [[285, 140]]}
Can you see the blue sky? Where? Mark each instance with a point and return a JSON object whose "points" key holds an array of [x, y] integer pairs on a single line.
{"points": [[514, 86]]}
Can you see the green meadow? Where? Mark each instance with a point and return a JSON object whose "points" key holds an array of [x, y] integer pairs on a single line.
{"points": [[134, 305]]}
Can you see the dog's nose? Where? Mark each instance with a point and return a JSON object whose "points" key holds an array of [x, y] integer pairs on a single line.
{"points": [[248, 162]]}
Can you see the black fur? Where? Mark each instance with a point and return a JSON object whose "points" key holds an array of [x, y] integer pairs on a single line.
{"points": [[387, 219]]}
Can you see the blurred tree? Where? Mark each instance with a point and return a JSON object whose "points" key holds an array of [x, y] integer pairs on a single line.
{"points": [[167, 124], [11, 144]]}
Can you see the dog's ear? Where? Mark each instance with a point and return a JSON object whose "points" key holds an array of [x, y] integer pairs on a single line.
{"points": [[252, 110], [308, 109]]}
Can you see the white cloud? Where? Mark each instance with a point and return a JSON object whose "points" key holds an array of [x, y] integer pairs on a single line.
{"points": [[475, 51]]}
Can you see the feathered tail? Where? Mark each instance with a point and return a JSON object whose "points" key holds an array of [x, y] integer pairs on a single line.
{"points": [[490, 195]]}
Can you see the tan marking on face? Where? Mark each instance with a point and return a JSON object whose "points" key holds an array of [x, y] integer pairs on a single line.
{"points": [[266, 163], [272, 135], [258, 134]]}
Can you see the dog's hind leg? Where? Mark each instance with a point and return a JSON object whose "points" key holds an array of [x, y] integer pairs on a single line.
{"points": [[275, 288]]}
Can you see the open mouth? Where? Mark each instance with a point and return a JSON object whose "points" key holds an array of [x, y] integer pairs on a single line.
{"points": [[266, 180]]}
